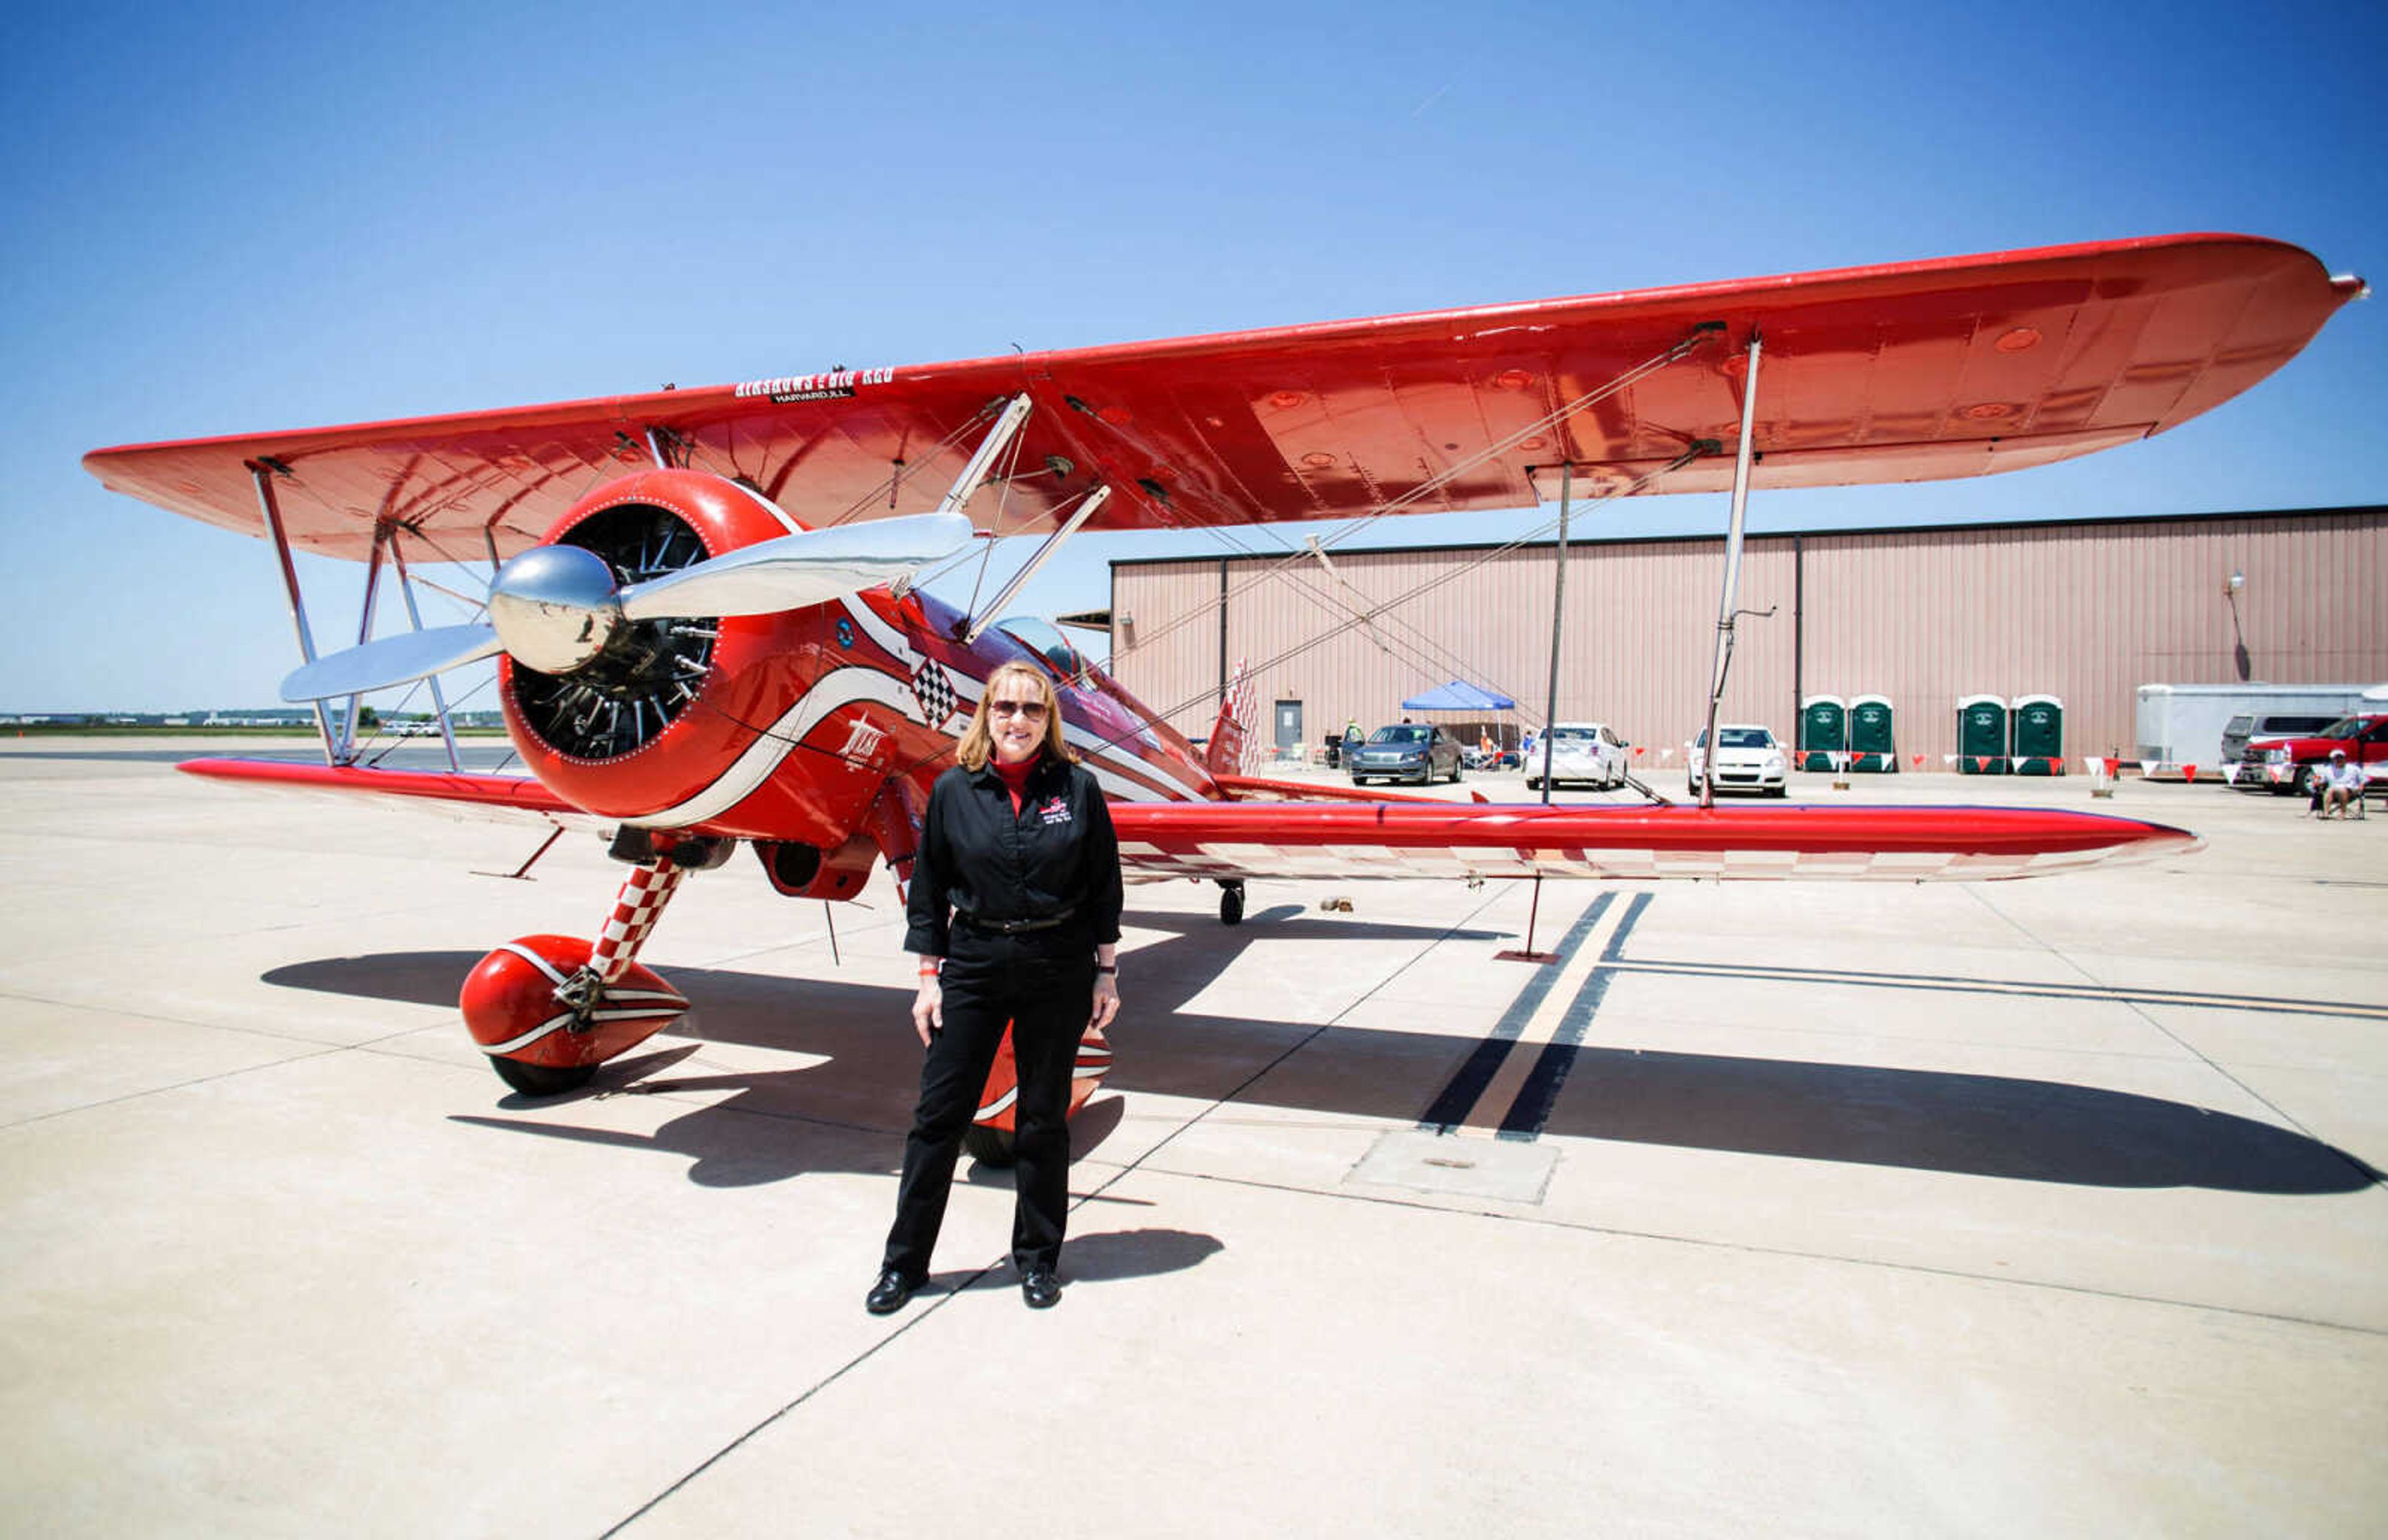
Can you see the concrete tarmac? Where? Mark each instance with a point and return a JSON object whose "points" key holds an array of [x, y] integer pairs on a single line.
{"points": [[2033, 1207]]}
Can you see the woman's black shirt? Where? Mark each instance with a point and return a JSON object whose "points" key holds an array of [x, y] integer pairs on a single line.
{"points": [[978, 860]]}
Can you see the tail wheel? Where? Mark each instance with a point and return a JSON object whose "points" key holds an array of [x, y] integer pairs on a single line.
{"points": [[1231, 904]]}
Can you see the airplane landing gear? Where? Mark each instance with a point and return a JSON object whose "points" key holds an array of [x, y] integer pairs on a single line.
{"points": [[548, 1010], [1231, 902]]}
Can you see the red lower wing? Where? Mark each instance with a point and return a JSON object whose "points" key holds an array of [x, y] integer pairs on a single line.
{"points": [[1631, 844], [517, 798], [1381, 839]]}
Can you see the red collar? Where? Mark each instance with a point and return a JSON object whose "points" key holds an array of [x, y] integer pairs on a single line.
{"points": [[1015, 776]]}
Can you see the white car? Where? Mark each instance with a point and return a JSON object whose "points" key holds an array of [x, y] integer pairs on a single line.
{"points": [[1579, 751], [1750, 758]]}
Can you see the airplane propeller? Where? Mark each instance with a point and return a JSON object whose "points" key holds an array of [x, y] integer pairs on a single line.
{"points": [[556, 608]]}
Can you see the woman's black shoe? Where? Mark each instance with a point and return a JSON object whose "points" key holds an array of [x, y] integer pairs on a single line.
{"points": [[1041, 1288], [888, 1295]]}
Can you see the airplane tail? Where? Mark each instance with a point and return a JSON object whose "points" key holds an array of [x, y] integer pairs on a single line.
{"points": [[1232, 746]]}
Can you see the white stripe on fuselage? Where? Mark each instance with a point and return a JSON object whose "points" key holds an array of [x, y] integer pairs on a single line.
{"points": [[858, 684], [772, 508], [840, 687]]}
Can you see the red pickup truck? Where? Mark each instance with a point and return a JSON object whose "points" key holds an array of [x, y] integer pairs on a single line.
{"points": [[2286, 762]]}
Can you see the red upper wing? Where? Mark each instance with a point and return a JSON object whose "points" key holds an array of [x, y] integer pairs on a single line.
{"points": [[1909, 372]]}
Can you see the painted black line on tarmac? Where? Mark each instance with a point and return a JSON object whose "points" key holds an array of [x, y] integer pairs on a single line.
{"points": [[1450, 1108], [1531, 1110]]}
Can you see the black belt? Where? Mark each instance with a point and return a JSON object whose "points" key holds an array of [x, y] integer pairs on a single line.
{"points": [[1014, 927]]}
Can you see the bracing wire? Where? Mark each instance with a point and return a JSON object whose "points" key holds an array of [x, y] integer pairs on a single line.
{"points": [[1433, 485]]}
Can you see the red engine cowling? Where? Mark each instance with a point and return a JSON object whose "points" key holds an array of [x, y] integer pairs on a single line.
{"points": [[666, 727]]}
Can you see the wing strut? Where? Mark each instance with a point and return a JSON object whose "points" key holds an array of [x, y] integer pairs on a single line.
{"points": [[1045, 552], [1527, 954], [1006, 426], [384, 533], [1726, 613], [262, 472], [1015, 413], [438, 698]]}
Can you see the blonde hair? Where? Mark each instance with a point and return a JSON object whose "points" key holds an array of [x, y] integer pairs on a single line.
{"points": [[978, 739]]}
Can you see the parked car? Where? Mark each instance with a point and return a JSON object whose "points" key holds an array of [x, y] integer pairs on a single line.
{"points": [[1585, 751], [1410, 751], [2289, 760], [2247, 725], [1748, 758]]}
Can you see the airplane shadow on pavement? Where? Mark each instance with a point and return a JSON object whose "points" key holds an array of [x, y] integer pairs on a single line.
{"points": [[847, 1108]]}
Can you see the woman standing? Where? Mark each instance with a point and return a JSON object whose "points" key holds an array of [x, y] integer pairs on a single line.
{"points": [[1014, 914]]}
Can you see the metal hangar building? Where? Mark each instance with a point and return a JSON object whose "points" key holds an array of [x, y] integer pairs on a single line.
{"points": [[2085, 609]]}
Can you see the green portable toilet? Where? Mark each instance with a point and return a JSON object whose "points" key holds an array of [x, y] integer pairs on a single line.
{"points": [[1823, 731], [2039, 735], [1871, 745], [1981, 735]]}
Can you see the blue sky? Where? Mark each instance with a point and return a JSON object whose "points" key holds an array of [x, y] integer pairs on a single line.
{"points": [[225, 219]]}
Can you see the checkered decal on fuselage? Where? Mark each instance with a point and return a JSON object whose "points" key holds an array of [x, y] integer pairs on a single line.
{"points": [[936, 693]]}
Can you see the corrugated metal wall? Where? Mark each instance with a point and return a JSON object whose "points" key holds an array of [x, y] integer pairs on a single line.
{"points": [[2084, 611]]}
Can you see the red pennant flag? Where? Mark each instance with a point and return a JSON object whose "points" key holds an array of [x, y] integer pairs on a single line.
{"points": [[2188, 772], [1918, 759], [1639, 751], [1982, 764]]}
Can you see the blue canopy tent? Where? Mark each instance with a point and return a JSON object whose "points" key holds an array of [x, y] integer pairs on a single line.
{"points": [[1458, 696], [1461, 696]]}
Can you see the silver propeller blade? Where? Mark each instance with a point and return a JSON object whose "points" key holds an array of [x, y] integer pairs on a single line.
{"points": [[812, 567], [390, 661]]}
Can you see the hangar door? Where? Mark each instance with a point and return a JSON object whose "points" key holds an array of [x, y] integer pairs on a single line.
{"points": [[1289, 728]]}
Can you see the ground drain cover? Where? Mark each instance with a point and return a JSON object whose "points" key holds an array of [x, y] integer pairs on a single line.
{"points": [[1459, 1165]]}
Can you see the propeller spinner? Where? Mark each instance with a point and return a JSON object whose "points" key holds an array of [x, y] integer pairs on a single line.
{"points": [[556, 608]]}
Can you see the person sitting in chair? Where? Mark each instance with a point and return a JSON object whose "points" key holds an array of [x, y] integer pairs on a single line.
{"points": [[2341, 784]]}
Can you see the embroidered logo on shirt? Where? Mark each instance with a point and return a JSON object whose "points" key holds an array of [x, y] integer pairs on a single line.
{"points": [[1055, 811]]}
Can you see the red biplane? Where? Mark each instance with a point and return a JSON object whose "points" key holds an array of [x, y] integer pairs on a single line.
{"points": [[701, 607]]}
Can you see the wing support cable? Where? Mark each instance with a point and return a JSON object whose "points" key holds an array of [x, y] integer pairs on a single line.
{"points": [[1044, 553], [262, 473], [1400, 640], [1698, 337], [1726, 611], [998, 437], [1697, 450], [1357, 603]]}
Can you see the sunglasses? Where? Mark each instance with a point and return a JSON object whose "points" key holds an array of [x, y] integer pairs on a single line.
{"points": [[1029, 709]]}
